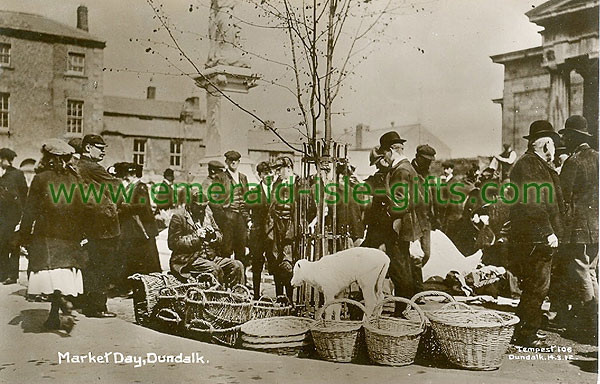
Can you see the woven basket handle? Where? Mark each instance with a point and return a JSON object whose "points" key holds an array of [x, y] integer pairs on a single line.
{"points": [[393, 299], [213, 280], [266, 299], [321, 311], [167, 291], [241, 290], [206, 326], [192, 295], [135, 276], [168, 315], [432, 293]]}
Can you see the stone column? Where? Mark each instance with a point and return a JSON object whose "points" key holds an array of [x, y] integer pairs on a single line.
{"points": [[589, 72], [226, 124], [559, 96]]}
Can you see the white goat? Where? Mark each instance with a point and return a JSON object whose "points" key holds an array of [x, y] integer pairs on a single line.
{"points": [[334, 273]]}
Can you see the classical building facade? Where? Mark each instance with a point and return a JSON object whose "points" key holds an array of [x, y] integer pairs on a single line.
{"points": [[557, 79]]}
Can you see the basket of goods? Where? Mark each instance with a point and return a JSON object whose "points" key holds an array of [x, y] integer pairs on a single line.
{"points": [[269, 307], [429, 349], [222, 309], [203, 330], [171, 299], [338, 340], [145, 294], [390, 340], [473, 339], [284, 335]]}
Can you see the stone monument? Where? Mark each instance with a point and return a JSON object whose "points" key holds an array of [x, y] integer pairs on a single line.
{"points": [[227, 78]]}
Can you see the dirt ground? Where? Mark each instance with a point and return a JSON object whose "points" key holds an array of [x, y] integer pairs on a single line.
{"points": [[30, 354]]}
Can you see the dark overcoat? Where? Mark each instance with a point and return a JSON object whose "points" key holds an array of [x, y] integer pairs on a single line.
{"points": [[579, 182]]}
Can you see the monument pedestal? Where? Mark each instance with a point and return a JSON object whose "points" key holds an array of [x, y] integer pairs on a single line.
{"points": [[226, 125]]}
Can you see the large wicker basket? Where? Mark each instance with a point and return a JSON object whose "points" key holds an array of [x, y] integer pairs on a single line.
{"points": [[393, 341], [473, 339], [269, 307], [286, 335], [338, 340], [430, 350], [221, 309], [145, 294], [204, 331]]}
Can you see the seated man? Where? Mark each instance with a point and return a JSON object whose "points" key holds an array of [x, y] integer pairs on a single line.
{"points": [[193, 237]]}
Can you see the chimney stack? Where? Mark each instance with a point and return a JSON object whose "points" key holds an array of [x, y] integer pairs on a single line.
{"points": [[82, 18], [151, 93], [359, 136]]}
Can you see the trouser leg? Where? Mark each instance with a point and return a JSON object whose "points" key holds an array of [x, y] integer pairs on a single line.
{"points": [[400, 271], [99, 270], [535, 282], [233, 270]]}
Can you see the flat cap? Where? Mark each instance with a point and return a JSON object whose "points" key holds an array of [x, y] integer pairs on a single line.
{"points": [[263, 166], [375, 156], [215, 164], [57, 147], [233, 155], [7, 153], [168, 172], [95, 140], [283, 161], [426, 151]]}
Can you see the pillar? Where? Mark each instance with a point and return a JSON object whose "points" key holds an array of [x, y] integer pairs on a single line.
{"points": [[559, 96]]}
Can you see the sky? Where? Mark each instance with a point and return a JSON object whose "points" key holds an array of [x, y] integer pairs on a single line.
{"points": [[432, 68]]}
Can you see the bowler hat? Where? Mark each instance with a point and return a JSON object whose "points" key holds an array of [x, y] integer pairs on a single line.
{"points": [[57, 147], [95, 140], [232, 155], [7, 153], [426, 151], [576, 123], [541, 128], [388, 139]]}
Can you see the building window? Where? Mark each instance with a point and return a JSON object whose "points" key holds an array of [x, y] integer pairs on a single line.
{"points": [[4, 54], [74, 116], [176, 153], [139, 151], [4, 109], [76, 63]]}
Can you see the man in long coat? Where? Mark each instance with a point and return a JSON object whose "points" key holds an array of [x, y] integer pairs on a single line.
{"points": [[579, 182], [535, 228], [403, 210]]}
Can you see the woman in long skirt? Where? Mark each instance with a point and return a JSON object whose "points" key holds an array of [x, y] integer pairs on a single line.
{"points": [[51, 229]]}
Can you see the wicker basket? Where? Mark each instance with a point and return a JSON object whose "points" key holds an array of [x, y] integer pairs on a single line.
{"points": [[171, 300], [221, 309], [473, 339], [429, 348], [338, 340], [269, 307], [286, 335], [145, 294], [393, 341], [204, 331]]}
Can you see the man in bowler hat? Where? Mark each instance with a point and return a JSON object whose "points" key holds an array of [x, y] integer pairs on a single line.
{"points": [[535, 228], [579, 182], [404, 215]]}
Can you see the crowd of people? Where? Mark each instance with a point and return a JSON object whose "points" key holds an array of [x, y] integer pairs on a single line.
{"points": [[545, 236]]}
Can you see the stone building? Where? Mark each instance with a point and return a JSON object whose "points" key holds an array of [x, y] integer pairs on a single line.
{"points": [[50, 81], [557, 79], [158, 134]]}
